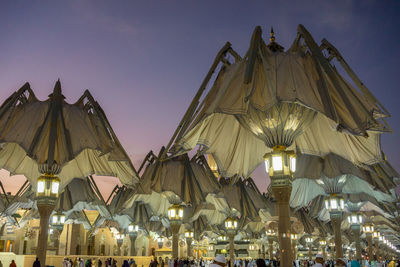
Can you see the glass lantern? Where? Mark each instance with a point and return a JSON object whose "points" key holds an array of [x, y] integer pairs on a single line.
{"points": [[280, 162], [160, 241], [293, 236], [334, 203], [119, 236], [309, 240], [368, 228], [189, 234], [376, 235], [270, 232], [58, 219], [355, 218], [47, 186], [133, 228], [175, 212], [222, 238], [252, 247], [231, 223]]}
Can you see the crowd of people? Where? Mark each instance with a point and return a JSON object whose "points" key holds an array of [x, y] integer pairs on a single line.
{"points": [[109, 262], [342, 262], [219, 261]]}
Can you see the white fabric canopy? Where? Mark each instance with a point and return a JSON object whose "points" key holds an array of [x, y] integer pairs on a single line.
{"points": [[83, 142], [235, 125]]}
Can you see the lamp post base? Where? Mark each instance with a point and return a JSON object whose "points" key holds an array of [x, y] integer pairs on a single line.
{"points": [[356, 232], [271, 249], [45, 211], [175, 226], [231, 247], [132, 237], [189, 247], [281, 193], [336, 219]]}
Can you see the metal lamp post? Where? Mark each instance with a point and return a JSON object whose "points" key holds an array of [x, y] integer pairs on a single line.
{"points": [[231, 225], [175, 216], [376, 235], [271, 234], [335, 205], [294, 238], [61, 141], [160, 242], [47, 188], [222, 238], [355, 220], [280, 165], [322, 243], [309, 240], [57, 222], [189, 237], [120, 240], [133, 231], [368, 229]]}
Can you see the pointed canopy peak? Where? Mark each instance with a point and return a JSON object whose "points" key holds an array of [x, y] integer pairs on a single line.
{"points": [[57, 90], [272, 35], [274, 46]]}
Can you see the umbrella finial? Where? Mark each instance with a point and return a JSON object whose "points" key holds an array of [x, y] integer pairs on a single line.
{"points": [[272, 35], [57, 88], [273, 46]]}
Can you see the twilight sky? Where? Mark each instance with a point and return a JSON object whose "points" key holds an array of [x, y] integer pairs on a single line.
{"points": [[143, 61]]}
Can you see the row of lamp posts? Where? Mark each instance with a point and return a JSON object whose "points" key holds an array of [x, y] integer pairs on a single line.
{"points": [[334, 203]]}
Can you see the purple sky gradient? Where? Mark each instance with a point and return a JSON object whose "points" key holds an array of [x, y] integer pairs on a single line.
{"points": [[144, 60]]}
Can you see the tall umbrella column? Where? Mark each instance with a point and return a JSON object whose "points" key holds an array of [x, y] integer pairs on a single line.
{"points": [[294, 238], [335, 205], [175, 215], [46, 195], [278, 100], [271, 234], [231, 225], [281, 165], [120, 240], [376, 235], [332, 248], [133, 230], [160, 242], [368, 229], [309, 241], [322, 243], [355, 220], [57, 142], [57, 223], [189, 238]]}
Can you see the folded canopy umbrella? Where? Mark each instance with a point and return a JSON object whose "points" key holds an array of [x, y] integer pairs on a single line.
{"points": [[56, 139], [76, 138], [175, 181], [333, 174], [293, 98], [273, 100]]}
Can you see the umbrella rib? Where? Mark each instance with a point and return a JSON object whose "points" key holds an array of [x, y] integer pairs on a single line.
{"points": [[99, 194], [180, 130]]}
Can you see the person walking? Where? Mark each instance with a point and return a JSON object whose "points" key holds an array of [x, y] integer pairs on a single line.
{"points": [[319, 261], [219, 261], [36, 263]]}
